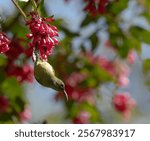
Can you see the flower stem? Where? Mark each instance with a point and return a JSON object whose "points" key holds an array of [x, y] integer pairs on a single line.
{"points": [[19, 8], [34, 5]]}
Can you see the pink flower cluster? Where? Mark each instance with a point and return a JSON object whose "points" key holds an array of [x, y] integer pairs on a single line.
{"points": [[42, 34], [22, 73], [121, 73], [124, 104], [95, 7], [117, 68], [4, 43], [15, 50]]}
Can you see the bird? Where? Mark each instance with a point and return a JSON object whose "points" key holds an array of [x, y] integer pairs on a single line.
{"points": [[45, 75]]}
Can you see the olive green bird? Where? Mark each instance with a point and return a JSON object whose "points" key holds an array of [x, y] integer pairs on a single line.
{"points": [[45, 75]]}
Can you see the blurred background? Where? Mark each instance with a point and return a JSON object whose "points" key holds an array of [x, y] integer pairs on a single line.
{"points": [[102, 56]]}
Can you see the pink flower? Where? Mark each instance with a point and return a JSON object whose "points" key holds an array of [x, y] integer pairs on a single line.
{"points": [[4, 43], [27, 73], [15, 50], [118, 69], [42, 34], [75, 91], [121, 73], [75, 78], [22, 74], [82, 118], [123, 81], [124, 104], [4, 103], [25, 115], [131, 58], [79, 94], [121, 68], [102, 61], [95, 7], [106, 64], [102, 6]]}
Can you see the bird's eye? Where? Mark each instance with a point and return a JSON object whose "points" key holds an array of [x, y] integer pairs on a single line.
{"points": [[62, 86]]}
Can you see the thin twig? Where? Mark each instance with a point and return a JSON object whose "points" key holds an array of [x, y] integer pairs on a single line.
{"points": [[19, 8], [35, 6], [12, 23]]}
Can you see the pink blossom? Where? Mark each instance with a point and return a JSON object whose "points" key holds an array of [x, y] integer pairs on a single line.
{"points": [[82, 118], [15, 50], [121, 68], [24, 73], [124, 104], [25, 115], [123, 81], [4, 103], [4, 43], [131, 58], [42, 34], [95, 7]]}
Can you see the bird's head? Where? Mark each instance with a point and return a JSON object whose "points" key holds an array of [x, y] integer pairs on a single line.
{"points": [[60, 86]]}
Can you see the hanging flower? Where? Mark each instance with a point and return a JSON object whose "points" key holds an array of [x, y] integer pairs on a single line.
{"points": [[4, 43], [43, 34]]}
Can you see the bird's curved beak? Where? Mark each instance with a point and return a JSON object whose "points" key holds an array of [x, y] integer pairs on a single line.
{"points": [[65, 93]]}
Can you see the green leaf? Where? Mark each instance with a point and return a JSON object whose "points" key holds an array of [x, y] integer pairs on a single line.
{"points": [[68, 32], [5, 117], [2, 75], [72, 108], [42, 9], [124, 48], [95, 116], [3, 60], [94, 41], [95, 76], [146, 70], [146, 66], [88, 19], [137, 45], [141, 34], [18, 104], [146, 14], [101, 75], [19, 30], [117, 7], [124, 43], [11, 88]]}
